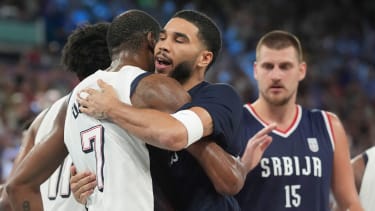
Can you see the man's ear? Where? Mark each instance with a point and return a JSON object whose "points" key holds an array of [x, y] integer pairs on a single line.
{"points": [[205, 58], [151, 41]]}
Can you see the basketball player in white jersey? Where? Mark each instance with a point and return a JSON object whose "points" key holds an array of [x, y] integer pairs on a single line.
{"points": [[55, 191], [131, 39], [86, 40], [120, 160], [364, 175]]}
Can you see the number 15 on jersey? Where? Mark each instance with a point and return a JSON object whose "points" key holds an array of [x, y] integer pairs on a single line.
{"points": [[292, 196]]}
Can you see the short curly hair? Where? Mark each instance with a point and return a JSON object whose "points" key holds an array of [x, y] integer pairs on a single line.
{"points": [[86, 50]]}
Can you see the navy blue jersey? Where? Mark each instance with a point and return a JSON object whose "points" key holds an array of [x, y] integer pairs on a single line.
{"points": [[295, 171], [179, 175]]}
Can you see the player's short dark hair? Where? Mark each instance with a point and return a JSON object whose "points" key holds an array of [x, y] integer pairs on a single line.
{"points": [[129, 30], [209, 32], [86, 50], [278, 40]]}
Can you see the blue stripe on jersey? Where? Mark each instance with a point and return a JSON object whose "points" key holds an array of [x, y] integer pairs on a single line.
{"points": [[365, 158], [295, 171], [136, 81]]}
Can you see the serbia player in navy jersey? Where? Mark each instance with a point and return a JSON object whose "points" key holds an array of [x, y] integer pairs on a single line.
{"points": [[85, 40], [364, 175], [188, 45], [309, 154]]}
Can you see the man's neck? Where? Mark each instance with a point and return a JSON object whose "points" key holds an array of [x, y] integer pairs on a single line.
{"points": [[124, 58], [282, 115], [196, 78], [115, 66]]}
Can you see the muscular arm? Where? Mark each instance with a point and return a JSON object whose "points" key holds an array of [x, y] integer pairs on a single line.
{"points": [[342, 179], [155, 127], [226, 172], [227, 179], [28, 140], [36, 167], [358, 165], [26, 146]]}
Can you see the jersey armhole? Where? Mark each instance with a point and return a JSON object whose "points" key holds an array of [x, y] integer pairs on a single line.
{"points": [[136, 81], [365, 158], [328, 123]]}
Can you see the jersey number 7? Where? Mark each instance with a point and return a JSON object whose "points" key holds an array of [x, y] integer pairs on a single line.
{"points": [[92, 140]]}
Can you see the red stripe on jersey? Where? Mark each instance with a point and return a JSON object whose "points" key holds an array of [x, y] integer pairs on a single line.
{"points": [[291, 126]]}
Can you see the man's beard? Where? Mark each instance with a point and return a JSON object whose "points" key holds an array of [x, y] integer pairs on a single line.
{"points": [[182, 72], [277, 101]]}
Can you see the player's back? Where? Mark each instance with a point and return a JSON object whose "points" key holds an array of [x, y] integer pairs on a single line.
{"points": [[120, 161], [55, 191], [367, 191], [295, 170]]}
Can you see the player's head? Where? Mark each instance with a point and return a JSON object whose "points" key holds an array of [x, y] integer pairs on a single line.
{"points": [[279, 40], [133, 31], [189, 43], [86, 50], [279, 67]]}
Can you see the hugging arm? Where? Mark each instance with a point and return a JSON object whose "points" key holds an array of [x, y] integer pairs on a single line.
{"points": [[153, 92], [28, 140], [27, 144], [147, 122], [228, 173], [155, 127], [36, 167]]}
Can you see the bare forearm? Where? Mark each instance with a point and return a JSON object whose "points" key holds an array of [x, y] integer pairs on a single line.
{"points": [[225, 171], [353, 207], [25, 199], [38, 165], [154, 127], [4, 200]]}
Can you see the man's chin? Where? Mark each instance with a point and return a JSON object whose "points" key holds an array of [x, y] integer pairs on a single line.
{"points": [[164, 71]]}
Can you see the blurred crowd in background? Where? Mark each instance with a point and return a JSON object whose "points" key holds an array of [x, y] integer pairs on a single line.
{"points": [[338, 38]]}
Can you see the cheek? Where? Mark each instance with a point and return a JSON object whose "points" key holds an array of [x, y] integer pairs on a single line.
{"points": [[292, 82], [183, 56]]}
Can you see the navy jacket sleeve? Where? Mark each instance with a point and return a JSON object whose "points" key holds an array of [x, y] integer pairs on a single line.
{"points": [[225, 108]]}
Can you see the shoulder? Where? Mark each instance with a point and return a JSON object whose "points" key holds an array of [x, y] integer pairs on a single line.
{"points": [[334, 120], [159, 91], [215, 92], [155, 83], [220, 87], [328, 116], [158, 79]]}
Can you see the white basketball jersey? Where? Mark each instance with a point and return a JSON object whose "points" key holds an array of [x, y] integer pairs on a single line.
{"points": [[55, 191], [367, 192], [119, 160]]}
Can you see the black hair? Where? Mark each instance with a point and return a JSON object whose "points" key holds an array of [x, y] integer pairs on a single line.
{"points": [[209, 32], [129, 30], [86, 50]]}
